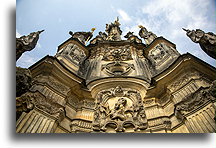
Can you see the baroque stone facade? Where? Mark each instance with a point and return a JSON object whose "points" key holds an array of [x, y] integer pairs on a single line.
{"points": [[113, 85]]}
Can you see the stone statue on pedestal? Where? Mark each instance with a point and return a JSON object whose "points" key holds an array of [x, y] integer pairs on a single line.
{"points": [[146, 35], [26, 43], [114, 31], [207, 41]]}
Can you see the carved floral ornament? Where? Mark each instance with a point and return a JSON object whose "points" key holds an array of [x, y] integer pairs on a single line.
{"points": [[119, 108], [118, 68], [31, 100], [111, 53]]}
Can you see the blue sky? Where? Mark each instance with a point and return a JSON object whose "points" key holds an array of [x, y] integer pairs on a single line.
{"points": [[163, 17]]}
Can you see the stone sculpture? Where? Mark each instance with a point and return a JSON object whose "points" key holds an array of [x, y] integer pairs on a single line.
{"points": [[207, 41], [130, 36], [146, 35], [23, 80], [114, 31], [121, 115], [102, 36], [26, 43], [83, 37], [196, 99]]}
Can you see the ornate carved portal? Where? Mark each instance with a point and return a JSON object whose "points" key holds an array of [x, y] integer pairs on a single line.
{"points": [[119, 110]]}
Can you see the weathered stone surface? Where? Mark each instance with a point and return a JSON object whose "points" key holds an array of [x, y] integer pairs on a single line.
{"points": [[146, 35], [35, 100], [23, 80], [118, 86], [207, 41], [114, 31], [195, 100], [26, 43], [83, 37], [119, 109]]}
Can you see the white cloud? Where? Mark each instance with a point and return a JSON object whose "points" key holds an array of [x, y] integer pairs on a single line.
{"points": [[177, 14], [167, 18], [123, 15], [18, 34], [38, 45], [26, 60]]}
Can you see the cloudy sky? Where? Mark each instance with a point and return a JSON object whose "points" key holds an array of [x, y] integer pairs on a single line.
{"points": [[163, 17]]}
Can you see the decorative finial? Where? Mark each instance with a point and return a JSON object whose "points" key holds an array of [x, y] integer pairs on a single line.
{"points": [[185, 29], [41, 31]]}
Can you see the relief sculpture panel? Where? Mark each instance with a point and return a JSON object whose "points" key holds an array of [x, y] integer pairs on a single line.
{"points": [[111, 53], [118, 110], [74, 53]]}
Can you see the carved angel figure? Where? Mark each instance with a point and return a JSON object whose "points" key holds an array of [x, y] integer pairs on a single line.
{"points": [[207, 41], [146, 35], [26, 43]]}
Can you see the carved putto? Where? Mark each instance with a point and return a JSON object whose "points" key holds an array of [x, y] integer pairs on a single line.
{"points": [[207, 41], [26, 43], [118, 113], [146, 35], [117, 54], [126, 112]]}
